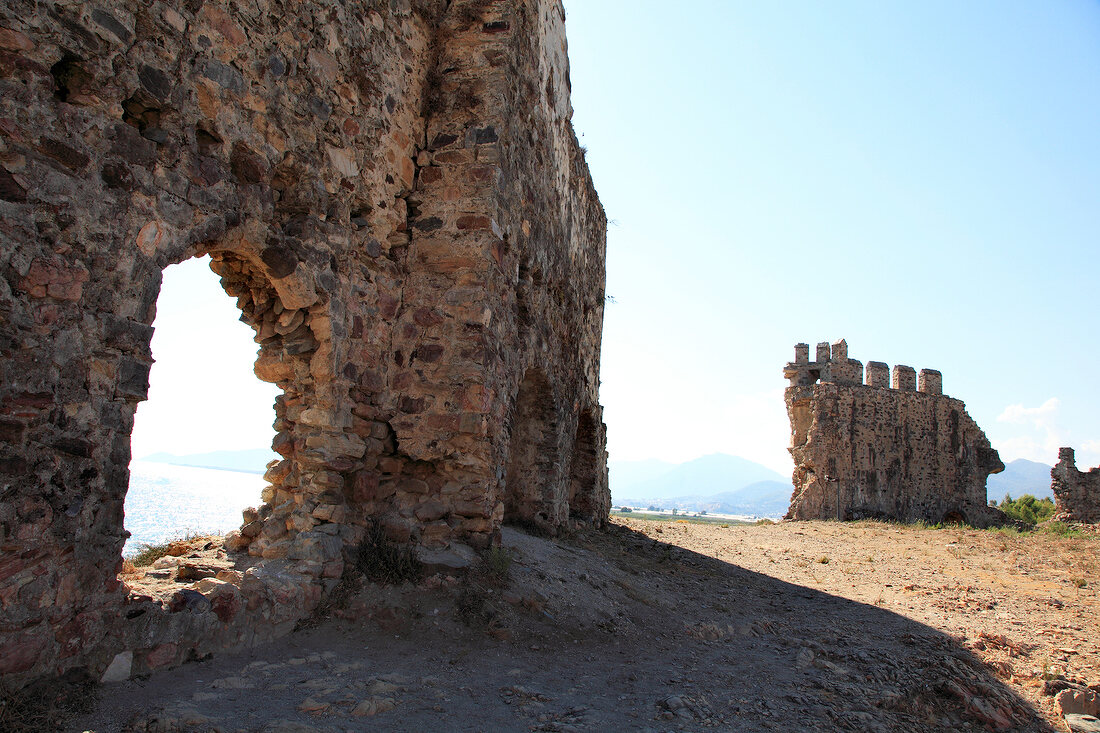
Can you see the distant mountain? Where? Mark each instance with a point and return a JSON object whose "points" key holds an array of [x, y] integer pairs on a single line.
{"points": [[624, 474], [253, 460], [762, 498], [1020, 477], [715, 483], [706, 476]]}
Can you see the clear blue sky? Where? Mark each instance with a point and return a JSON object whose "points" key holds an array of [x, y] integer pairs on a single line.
{"points": [[919, 178]]}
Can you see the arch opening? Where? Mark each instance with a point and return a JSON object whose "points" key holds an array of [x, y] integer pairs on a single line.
{"points": [[202, 441], [953, 517], [583, 470], [532, 455], [266, 443]]}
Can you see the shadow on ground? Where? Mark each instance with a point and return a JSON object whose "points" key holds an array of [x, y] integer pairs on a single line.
{"points": [[604, 631]]}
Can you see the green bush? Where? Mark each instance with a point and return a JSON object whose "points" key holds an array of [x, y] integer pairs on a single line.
{"points": [[1060, 529], [1027, 508]]}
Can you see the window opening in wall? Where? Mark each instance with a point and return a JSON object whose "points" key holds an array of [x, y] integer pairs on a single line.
{"points": [[201, 442]]}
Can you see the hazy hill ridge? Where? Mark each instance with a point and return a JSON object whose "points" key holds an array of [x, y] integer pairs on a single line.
{"points": [[252, 460], [733, 485], [715, 483], [1020, 477]]}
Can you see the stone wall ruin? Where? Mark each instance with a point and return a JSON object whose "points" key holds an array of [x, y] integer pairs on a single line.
{"points": [[1076, 493], [393, 192], [865, 446]]}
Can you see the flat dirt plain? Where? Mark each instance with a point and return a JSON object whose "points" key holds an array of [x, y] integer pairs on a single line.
{"points": [[668, 625]]}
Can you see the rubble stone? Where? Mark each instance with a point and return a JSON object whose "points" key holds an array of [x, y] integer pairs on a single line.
{"points": [[862, 449], [1077, 702]]}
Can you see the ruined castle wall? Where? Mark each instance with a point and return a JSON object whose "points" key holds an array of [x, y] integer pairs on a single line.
{"points": [[555, 254], [865, 450], [393, 193], [1076, 493]]}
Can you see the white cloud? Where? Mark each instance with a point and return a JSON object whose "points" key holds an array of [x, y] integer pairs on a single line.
{"points": [[1020, 447], [1043, 415], [1088, 455], [1041, 434]]}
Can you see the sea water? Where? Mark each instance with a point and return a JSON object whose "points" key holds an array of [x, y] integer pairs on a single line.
{"points": [[166, 501]]}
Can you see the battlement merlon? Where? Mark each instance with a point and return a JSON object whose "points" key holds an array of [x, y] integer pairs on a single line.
{"points": [[832, 365], [905, 378], [930, 381], [877, 374], [846, 372]]}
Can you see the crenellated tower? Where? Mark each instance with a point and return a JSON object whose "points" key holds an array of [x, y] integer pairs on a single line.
{"points": [[870, 444]]}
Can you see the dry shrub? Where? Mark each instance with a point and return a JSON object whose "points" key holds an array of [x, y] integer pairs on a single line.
{"points": [[495, 566], [476, 604], [48, 704], [176, 546], [386, 562]]}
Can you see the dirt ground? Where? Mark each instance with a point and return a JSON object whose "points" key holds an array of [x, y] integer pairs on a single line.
{"points": [[665, 625]]}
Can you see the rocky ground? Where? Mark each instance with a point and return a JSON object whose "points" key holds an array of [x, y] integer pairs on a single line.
{"points": [[673, 626]]}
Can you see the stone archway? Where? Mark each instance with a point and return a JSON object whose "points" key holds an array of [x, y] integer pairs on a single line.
{"points": [[533, 457], [954, 516], [333, 170], [294, 539], [584, 503], [206, 410], [277, 298]]}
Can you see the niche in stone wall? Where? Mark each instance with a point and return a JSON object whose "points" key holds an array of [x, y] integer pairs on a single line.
{"points": [[202, 440], [801, 414], [530, 280], [582, 471], [532, 453]]}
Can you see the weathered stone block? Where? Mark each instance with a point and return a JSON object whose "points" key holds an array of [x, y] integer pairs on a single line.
{"points": [[20, 651], [315, 547], [431, 511], [161, 655]]}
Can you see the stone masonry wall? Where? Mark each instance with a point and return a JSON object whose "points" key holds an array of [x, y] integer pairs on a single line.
{"points": [[1076, 493], [863, 448], [393, 192]]}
